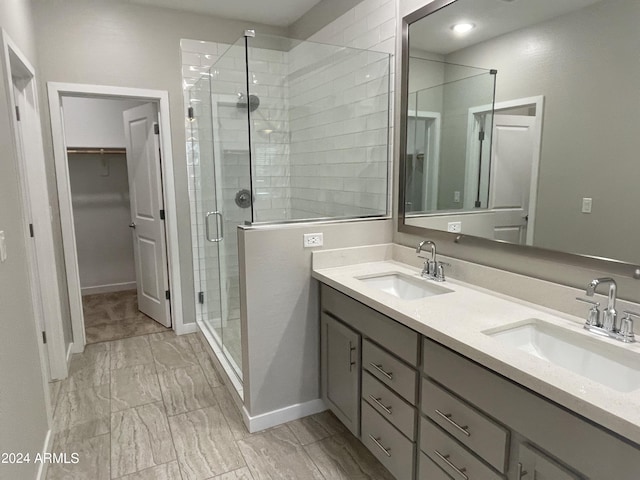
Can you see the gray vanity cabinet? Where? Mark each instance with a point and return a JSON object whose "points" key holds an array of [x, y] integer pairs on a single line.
{"points": [[535, 465], [341, 371], [429, 413]]}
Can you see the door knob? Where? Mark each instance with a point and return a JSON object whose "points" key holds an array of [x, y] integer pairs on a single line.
{"points": [[132, 225]]}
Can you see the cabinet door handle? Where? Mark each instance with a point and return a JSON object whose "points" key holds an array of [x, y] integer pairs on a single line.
{"points": [[447, 417], [378, 402], [379, 368], [445, 459], [375, 440], [351, 350], [521, 471]]}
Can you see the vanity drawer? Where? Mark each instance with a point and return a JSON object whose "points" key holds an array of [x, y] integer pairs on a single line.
{"points": [[450, 455], [372, 324], [390, 371], [429, 470], [389, 405], [387, 444], [483, 436]]}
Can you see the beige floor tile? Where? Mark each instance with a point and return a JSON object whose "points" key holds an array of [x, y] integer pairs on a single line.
{"points": [[343, 457], [80, 407], [185, 389], [130, 352], [204, 444], [172, 352], [316, 427], [167, 471], [88, 369], [240, 474], [231, 413], [276, 453], [134, 386], [140, 438], [92, 461], [209, 370]]}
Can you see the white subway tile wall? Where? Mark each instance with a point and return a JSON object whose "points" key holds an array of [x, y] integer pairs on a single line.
{"points": [[321, 137]]}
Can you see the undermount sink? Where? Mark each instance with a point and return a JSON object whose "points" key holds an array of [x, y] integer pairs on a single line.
{"points": [[589, 357], [404, 286]]}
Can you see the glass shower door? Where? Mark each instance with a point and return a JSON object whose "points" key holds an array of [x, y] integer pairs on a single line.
{"points": [[229, 182]]}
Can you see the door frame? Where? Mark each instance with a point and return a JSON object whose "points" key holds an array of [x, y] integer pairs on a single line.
{"points": [[35, 198], [434, 153], [56, 91], [472, 150]]}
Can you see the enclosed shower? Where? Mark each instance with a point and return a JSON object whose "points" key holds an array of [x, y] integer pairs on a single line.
{"points": [[279, 131]]}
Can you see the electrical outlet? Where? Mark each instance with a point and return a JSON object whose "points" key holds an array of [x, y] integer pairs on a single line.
{"points": [[587, 203], [456, 196], [454, 227], [312, 240]]}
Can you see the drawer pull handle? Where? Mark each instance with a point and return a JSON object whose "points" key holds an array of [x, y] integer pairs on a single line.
{"points": [[447, 417], [445, 459], [375, 440], [380, 404], [521, 471], [351, 361], [379, 368]]}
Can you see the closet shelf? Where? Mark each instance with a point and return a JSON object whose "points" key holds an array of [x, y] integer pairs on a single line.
{"points": [[101, 151]]}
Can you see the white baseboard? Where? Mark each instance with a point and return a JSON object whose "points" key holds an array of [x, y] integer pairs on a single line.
{"points": [[283, 415], [48, 445], [112, 287], [74, 347], [185, 329]]}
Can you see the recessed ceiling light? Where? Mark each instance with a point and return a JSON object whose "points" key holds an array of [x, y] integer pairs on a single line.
{"points": [[463, 27]]}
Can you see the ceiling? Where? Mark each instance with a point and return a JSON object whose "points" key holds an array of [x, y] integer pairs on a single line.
{"points": [[492, 18], [280, 13]]}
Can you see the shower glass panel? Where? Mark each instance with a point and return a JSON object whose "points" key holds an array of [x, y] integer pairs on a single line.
{"points": [[282, 131], [319, 130], [222, 200]]}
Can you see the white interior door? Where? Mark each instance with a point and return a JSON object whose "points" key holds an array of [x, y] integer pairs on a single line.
{"points": [[511, 166], [145, 190]]}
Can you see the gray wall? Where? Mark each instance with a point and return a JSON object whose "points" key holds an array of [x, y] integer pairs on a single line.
{"points": [[121, 44], [281, 320], [319, 16], [23, 417]]}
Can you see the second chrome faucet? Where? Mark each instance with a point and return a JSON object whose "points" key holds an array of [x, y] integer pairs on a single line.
{"points": [[608, 325]]}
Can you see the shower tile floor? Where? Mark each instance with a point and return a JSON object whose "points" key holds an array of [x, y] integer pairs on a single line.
{"points": [[113, 316], [153, 407]]}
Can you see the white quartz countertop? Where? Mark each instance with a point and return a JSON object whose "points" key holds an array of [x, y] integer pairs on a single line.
{"points": [[458, 320]]}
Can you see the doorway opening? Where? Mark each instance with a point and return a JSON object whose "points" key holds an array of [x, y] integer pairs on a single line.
{"points": [[122, 293], [509, 179], [115, 184]]}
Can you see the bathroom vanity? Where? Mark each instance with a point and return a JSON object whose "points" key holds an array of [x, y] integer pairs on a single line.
{"points": [[429, 377]]}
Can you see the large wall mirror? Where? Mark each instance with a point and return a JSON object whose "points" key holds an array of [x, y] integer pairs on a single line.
{"points": [[521, 123]]}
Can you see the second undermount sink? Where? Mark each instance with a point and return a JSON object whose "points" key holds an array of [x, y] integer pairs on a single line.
{"points": [[589, 357], [404, 286]]}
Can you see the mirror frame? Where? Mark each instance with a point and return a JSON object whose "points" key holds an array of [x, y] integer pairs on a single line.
{"points": [[616, 267]]}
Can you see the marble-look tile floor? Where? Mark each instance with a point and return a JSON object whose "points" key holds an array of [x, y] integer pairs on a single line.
{"points": [[153, 407], [112, 316]]}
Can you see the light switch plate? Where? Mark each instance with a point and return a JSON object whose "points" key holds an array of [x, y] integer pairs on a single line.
{"points": [[312, 240], [3, 247], [587, 204]]}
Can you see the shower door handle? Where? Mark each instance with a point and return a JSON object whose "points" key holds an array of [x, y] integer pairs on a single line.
{"points": [[219, 225]]}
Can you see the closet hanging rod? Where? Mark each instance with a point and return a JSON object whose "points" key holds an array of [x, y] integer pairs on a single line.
{"points": [[100, 151]]}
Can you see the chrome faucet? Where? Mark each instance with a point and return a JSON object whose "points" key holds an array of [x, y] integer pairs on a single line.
{"points": [[609, 324], [432, 269], [609, 315]]}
